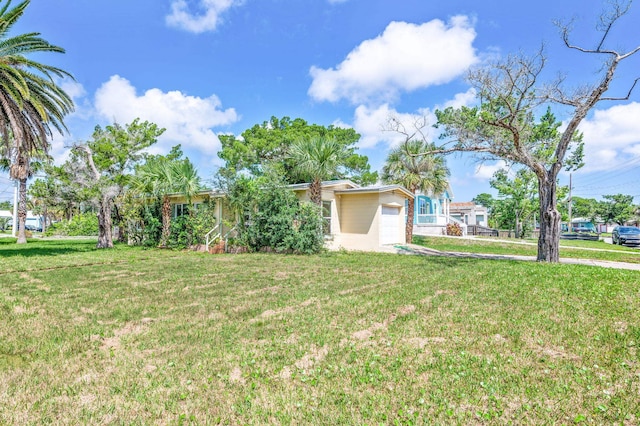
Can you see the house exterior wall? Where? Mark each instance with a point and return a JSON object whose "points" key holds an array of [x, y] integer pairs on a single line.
{"points": [[359, 220], [223, 213]]}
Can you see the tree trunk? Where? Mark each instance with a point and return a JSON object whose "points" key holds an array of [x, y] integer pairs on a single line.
{"points": [[408, 233], [517, 230], [315, 192], [166, 221], [105, 239], [549, 240], [45, 218], [22, 211]]}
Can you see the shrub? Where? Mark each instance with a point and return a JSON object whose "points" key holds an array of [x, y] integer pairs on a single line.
{"points": [[454, 229], [83, 224], [191, 229], [283, 224]]}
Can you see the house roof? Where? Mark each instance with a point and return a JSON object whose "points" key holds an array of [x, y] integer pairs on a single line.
{"points": [[377, 189], [325, 184], [463, 205]]}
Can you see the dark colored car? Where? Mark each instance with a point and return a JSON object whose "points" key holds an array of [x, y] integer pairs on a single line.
{"points": [[626, 235]]}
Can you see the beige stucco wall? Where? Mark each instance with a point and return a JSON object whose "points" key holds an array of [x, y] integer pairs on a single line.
{"points": [[359, 221]]}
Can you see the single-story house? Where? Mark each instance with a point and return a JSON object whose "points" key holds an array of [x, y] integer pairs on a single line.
{"points": [[358, 218], [361, 218], [470, 213]]}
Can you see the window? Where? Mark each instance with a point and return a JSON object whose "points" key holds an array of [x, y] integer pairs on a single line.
{"points": [[183, 209], [180, 210], [423, 206], [326, 217]]}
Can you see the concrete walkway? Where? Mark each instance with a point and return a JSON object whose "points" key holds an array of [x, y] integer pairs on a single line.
{"points": [[414, 249]]}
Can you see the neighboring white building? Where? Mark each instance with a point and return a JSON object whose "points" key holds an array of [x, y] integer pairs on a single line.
{"points": [[470, 213]]}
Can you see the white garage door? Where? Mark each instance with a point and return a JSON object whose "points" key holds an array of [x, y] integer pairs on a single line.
{"points": [[390, 225]]}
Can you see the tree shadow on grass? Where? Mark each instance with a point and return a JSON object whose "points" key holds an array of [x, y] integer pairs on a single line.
{"points": [[8, 247]]}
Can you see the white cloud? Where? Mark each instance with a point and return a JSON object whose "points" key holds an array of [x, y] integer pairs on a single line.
{"points": [[485, 171], [206, 18], [461, 99], [404, 58], [373, 122], [372, 125], [188, 119], [611, 135]]}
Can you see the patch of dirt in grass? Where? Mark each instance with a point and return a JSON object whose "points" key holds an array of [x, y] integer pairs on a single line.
{"points": [[551, 351], [446, 292], [367, 333], [620, 326], [86, 398], [216, 316], [20, 310], [499, 339], [272, 289], [285, 373], [281, 275], [314, 356], [422, 342], [362, 335], [28, 279], [236, 376], [360, 289], [270, 313], [406, 310], [130, 328]]}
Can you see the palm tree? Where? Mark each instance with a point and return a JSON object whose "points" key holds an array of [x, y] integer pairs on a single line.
{"points": [[317, 159], [409, 166], [31, 103], [161, 177]]}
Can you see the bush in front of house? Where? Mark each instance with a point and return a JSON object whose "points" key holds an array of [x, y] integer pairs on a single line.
{"points": [[454, 230], [190, 229], [83, 224], [283, 224]]}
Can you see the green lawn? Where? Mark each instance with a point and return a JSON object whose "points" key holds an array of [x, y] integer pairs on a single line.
{"points": [[568, 248], [139, 336]]}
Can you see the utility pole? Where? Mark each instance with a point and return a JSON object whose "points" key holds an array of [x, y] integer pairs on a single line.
{"points": [[570, 204]]}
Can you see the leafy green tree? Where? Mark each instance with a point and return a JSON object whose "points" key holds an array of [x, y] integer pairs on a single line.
{"points": [[407, 167], [6, 205], [270, 142], [316, 159], [484, 199], [618, 208], [519, 198], [31, 103], [585, 207], [509, 92], [161, 176], [101, 167]]}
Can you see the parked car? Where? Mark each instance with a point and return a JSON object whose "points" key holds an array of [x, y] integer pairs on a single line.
{"points": [[626, 235]]}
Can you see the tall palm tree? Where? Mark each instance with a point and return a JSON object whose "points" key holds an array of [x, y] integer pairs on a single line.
{"points": [[409, 166], [161, 177], [317, 159], [31, 103]]}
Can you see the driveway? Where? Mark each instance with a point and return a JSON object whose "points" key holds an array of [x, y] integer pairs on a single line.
{"points": [[425, 251]]}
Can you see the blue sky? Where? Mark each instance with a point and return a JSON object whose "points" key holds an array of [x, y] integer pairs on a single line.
{"points": [[200, 68]]}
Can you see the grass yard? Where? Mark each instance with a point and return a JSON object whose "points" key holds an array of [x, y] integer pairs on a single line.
{"points": [[597, 250], [133, 336]]}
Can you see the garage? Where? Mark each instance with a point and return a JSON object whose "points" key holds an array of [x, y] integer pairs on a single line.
{"points": [[390, 225]]}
